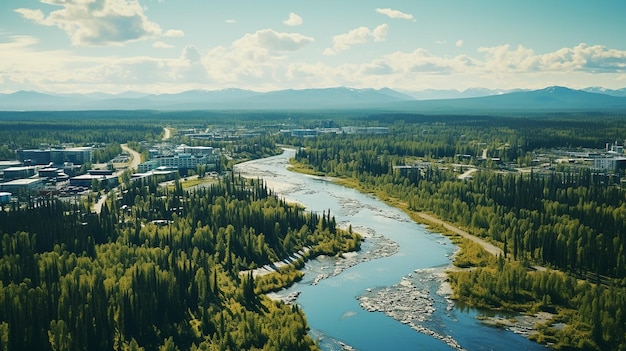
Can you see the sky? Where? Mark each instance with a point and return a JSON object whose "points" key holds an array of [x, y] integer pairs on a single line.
{"points": [[169, 46]]}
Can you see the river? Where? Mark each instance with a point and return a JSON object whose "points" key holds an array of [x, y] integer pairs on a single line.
{"points": [[399, 268]]}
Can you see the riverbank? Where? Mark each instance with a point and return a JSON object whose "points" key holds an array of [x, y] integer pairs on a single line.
{"points": [[404, 300], [329, 299], [373, 247]]}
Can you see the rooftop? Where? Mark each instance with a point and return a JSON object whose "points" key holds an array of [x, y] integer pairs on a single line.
{"points": [[23, 181]]}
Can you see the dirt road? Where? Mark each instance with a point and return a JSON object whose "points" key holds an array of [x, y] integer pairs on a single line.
{"points": [[492, 249]]}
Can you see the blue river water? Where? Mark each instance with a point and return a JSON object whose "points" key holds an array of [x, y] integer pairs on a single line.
{"points": [[331, 305]]}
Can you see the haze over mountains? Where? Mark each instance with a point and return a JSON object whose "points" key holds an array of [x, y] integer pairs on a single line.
{"points": [[471, 100]]}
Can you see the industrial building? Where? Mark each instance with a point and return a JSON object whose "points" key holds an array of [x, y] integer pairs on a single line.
{"points": [[77, 155], [304, 133], [86, 180], [19, 186], [105, 177], [7, 164], [19, 172]]}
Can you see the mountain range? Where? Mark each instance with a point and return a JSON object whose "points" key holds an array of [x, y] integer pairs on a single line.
{"points": [[340, 98]]}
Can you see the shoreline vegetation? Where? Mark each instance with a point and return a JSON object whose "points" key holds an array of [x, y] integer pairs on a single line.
{"points": [[144, 277], [473, 252]]}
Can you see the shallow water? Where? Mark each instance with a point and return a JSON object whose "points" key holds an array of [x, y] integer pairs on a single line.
{"points": [[331, 305]]}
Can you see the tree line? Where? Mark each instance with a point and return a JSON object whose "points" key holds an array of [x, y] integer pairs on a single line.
{"points": [[157, 270], [565, 220]]}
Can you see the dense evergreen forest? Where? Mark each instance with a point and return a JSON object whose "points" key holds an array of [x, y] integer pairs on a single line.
{"points": [[30, 134], [158, 268], [568, 221]]}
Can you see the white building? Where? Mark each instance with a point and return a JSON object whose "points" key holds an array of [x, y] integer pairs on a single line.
{"points": [[194, 150], [615, 148], [609, 163], [179, 161]]}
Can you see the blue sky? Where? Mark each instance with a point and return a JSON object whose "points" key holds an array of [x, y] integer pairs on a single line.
{"points": [[165, 46]]}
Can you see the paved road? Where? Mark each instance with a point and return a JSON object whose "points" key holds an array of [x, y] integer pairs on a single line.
{"points": [[135, 157], [167, 133], [135, 160]]}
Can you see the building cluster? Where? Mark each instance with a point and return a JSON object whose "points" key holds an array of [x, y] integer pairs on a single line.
{"points": [[612, 159], [42, 170], [181, 158], [57, 171], [609, 160], [308, 133], [56, 156], [221, 134]]}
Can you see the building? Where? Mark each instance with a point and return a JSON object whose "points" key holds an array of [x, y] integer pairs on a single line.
{"points": [[365, 130], [7, 164], [50, 173], [306, 133], [86, 180], [22, 186], [34, 156], [194, 150], [5, 197], [78, 155], [100, 172], [147, 166], [615, 148], [70, 169], [405, 170], [158, 174], [609, 163], [180, 161], [19, 172]]}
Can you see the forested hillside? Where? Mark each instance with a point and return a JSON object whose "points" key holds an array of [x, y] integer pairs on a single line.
{"points": [[157, 269], [564, 220]]}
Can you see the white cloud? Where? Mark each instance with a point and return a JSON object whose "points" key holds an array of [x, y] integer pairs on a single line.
{"points": [[162, 45], [293, 20], [377, 67], [380, 33], [583, 57], [422, 61], [191, 54], [230, 21], [33, 15], [459, 43], [264, 60], [273, 41], [18, 42], [98, 22], [356, 36], [394, 13], [174, 33]]}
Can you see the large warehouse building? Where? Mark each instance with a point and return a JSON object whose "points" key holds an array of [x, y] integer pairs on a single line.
{"points": [[77, 155]]}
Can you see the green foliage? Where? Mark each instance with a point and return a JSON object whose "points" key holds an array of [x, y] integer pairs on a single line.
{"points": [[31, 134], [592, 316], [162, 272], [106, 153], [566, 220], [473, 255]]}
